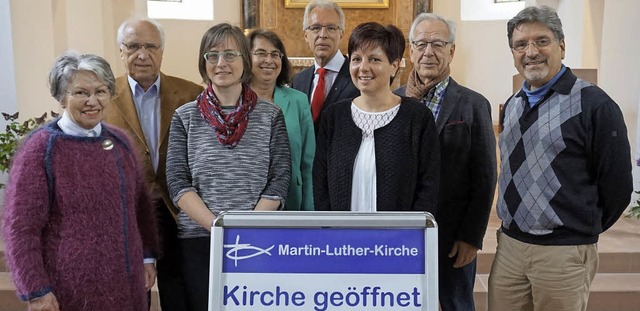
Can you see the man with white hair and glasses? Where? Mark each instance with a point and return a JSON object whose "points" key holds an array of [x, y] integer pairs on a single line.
{"points": [[468, 156], [143, 106]]}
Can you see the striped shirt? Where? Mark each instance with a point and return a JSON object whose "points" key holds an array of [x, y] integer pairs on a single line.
{"points": [[227, 179]]}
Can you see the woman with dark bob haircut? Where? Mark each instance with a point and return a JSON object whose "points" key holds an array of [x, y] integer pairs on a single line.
{"points": [[78, 224], [271, 72], [378, 151], [228, 150]]}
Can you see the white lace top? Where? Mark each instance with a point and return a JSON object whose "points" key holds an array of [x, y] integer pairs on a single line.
{"points": [[363, 188]]}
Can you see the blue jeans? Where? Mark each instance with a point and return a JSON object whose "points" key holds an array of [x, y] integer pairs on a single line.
{"points": [[455, 284]]}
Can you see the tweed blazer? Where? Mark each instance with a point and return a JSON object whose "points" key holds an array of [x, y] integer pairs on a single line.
{"points": [[174, 92], [468, 178]]}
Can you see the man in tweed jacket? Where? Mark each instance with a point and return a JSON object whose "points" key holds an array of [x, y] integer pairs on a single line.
{"points": [[143, 107]]}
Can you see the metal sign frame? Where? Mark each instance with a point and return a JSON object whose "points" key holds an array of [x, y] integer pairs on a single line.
{"points": [[315, 220]]}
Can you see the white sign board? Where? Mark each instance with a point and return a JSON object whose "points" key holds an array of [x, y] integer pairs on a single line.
{"points": [[323, 261]]}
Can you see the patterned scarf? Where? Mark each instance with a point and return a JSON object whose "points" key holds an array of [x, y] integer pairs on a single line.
{"points": [[418, 89], [231, 127]]}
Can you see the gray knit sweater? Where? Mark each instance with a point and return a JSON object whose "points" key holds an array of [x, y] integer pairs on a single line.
{"points": [[227, 179]]}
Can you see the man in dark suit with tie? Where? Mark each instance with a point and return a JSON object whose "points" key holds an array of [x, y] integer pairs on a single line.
{"points": [[468, 153], [328, 80], [143, 107]]}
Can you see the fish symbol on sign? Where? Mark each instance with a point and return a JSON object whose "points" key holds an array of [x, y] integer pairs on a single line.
{"points": [[237, 247]]}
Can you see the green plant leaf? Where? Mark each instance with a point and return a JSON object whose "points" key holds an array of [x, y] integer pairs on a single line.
{"points": [[14, 132]]}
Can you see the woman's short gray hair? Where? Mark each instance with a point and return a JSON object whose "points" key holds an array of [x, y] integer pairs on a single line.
{"points": [[451, 26], [325, 4], [533, 14], [66, 66]]}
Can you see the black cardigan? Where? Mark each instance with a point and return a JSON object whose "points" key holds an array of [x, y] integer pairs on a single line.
{"points": [[407, 159]]}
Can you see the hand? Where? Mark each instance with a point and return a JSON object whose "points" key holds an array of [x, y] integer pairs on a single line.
{"points": [[267, 205], [465, 253], [149, 275], [47, 302]]}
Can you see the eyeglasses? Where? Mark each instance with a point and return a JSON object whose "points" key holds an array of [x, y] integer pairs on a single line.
{"points": [[262, 54], [83, 95], [135, 47], [436, 45], [228, 56], [521, 46], [332, 29]]}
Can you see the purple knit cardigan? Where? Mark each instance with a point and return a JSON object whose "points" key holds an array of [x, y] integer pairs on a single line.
{"points": [[77, 220]]}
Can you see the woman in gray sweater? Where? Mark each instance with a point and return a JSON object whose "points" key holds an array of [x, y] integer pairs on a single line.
{"points": [[228, 150]]}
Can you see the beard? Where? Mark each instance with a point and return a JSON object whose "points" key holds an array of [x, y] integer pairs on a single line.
{"points": [[536, 75]]}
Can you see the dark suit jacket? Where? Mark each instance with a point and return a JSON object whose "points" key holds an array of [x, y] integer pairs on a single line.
{"points": [[174, 92], [342, 87], [468, 171]]}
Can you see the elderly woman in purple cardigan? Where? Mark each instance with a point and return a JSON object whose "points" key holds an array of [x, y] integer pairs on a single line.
{"points": [[79, 229]]}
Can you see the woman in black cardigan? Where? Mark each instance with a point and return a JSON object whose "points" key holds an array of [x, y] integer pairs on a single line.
{"points": [[378, 151]]}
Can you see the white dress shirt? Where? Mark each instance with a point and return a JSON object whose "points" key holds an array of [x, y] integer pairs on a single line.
{"points": [[333, 68]]}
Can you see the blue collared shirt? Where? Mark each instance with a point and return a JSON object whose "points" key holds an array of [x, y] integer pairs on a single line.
{"points": [[148, 108], [536, 95]]}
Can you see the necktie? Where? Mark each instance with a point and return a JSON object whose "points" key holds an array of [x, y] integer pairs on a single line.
{"points": [[92, 133], [318, 96]]}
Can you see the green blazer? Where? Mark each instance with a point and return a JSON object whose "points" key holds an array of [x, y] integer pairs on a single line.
{"points": [[297, 116]]}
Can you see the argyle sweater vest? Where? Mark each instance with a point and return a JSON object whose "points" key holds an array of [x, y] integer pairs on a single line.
{"points": [[532, 139]]}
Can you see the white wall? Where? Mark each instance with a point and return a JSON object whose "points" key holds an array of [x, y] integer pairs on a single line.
{"points": [[7, 74], [481, 10], [483, 59], [572, 15], [620, 65], [183, 39], [593, 28], [185, 9], [602, 34], [88, 26], [33, 55]]}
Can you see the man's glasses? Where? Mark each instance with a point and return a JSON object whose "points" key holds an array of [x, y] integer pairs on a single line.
{"points": [[521, 46], [436, 45], [228, 56], [332, 29], [135, 47], [262, 54], [83, 95]]}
